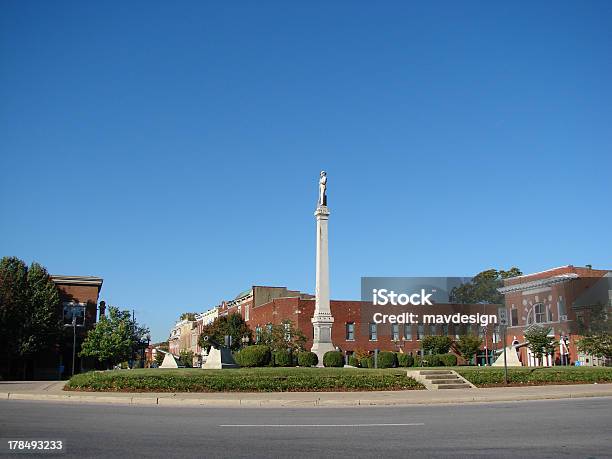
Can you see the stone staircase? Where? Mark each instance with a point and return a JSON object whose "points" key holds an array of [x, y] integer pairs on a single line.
{"points": [[440, 379]]}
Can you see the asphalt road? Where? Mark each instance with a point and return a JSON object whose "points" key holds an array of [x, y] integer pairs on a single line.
{"points": [[547, 428]]}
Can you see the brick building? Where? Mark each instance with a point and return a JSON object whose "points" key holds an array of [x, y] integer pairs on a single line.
{"points": [[557, 298], [354, 329]]}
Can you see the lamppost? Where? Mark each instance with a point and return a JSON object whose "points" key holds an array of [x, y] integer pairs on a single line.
{"points": [[74, 327]]}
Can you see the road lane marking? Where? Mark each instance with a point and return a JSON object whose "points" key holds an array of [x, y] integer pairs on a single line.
{"points": [[406, 424]]}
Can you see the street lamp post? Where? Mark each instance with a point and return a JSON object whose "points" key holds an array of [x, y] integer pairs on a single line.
{"points": [[74, 327]]}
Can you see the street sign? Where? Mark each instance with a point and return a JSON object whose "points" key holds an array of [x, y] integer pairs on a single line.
{"points": [[502, 317]]}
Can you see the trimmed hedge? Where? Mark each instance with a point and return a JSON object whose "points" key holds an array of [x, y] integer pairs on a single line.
{"points": [[366, 362], [333, 359], [282, 359], [257, 355], [436, 360], [307, 359], [353, 361], [494, 376], [387, 359], [242, 380], [404, 360]]}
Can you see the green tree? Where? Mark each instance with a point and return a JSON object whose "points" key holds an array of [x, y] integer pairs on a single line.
{"points": [[29, 306], [468, 346], [483, 287], [596, 344], [188, 316], [538, 341], [115, 338], [436, 344], [231, 325], [186, 358], [282, 337]]}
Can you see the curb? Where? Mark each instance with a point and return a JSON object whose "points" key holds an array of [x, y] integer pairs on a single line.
{"points": [[169, 401]]}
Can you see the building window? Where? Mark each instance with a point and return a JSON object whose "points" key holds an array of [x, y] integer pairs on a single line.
{"points": [[561, 309], [246, 313], [257, 333], [514, 317], [420, 331], [395, 332], [408, 332], [445, 330], [434, 329], [287, 331], [373, 332], [350, 331], [539, 313], [496, 334]]}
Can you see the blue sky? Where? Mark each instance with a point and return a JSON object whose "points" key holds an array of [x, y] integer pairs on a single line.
{"points": [[174, 149]]}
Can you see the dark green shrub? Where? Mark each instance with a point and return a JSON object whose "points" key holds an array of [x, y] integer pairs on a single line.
{"points": [[307, 359], [405, 360], [366, 362], [333, 359], [352, 361], [436, 344], [387, 359], [254, 356], [448, 360], [282, 359]]}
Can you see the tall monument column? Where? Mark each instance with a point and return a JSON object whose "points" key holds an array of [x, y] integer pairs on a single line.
{"points": [[322, 319]]}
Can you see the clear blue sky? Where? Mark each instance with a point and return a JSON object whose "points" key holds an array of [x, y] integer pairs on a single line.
{"points": [[174, 149]]}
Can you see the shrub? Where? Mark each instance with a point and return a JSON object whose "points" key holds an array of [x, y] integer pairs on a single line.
{"points": [[448, 360], [353, 361], [333, 359], [405, 360], [366, 362], [254, 356], [307, 359], [282, 359], [387, 359], [437, 344]]}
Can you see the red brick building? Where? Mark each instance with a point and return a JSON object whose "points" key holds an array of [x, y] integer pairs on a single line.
{"points": [[553, 298], [354, 328]]}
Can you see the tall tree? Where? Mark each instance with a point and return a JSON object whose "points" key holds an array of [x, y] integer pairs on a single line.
{"points": [[188, 316], [115, 338], [468, 346], [29, 305], [483, 287], [231, 325], [282, 337]]}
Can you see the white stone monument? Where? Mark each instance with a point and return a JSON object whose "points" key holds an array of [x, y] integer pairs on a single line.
{"points": [[322, 319], [169, 360]]}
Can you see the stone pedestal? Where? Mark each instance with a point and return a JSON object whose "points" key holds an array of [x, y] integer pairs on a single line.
{"points": [[322, 319], [218, 359], [169, 361]]}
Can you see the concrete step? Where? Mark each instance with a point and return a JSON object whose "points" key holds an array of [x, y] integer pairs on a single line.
{"points": [[447, 381], [453, 386], [434, 377], [435, 372]]}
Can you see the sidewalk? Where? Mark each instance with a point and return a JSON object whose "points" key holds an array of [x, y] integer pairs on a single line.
{"points": [[52, 391]]}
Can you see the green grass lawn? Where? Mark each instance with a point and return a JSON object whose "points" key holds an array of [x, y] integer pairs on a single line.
{"points": [[243, 380]]}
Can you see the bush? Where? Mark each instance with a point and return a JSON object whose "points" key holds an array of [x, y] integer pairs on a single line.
{"points": [[387, 359], [254, 356], [494, 376], [353, 361], [307, 359], [437, 344], [448, 360], [333, 359], [366, 362], [282, 359], [405, 360]]}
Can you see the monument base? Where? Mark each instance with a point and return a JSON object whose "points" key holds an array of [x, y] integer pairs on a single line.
{"points": [[169, 361], [322, 342], [219, 359]]}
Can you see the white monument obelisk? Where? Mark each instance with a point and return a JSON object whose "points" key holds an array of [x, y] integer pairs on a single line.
{"points": [[322, 319]]}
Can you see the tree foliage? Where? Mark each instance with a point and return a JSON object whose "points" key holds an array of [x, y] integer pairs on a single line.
{"points": [[282, 337], [468, 346], [538, 341], [596, 344], [115, 338], [436, 344], [231, 325], [595, 324], [29, 306], [483, 287], [186, 358], [188, 316]]}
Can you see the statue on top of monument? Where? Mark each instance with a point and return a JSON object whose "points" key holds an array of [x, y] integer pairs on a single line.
{"points": [[323, 189]]}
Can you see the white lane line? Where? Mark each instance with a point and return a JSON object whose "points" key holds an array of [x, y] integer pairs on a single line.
{"points": [[325, 425]]}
